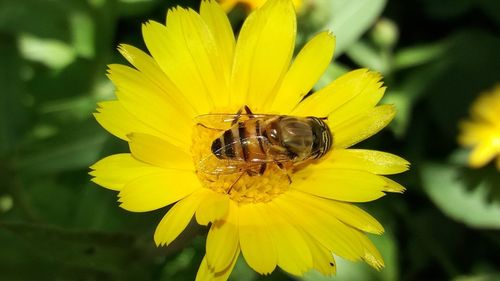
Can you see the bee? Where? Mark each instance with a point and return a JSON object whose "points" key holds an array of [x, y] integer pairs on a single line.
{"points": [[253, 141]]}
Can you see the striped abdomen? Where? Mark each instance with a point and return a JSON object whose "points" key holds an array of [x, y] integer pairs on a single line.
{"points": [[244, 141], [274, 138]]}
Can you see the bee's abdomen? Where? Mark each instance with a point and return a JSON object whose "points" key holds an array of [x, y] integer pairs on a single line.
{"points": [[243, 141]]}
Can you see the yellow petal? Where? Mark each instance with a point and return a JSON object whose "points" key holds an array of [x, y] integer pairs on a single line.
{"points": [[338, 184], [370, 253], [227, 5], [214, 207], [473, 133], [177, 218], [117, 170], [482, 154], [205, 273], [223, 241], [263, 53], [255, 240], [350, 94], [345, 212], [376, 162], [345, 241], [323, 227], [392, 186], [323, 259], [294, 255], [222, 32], [152, 71], [157, 152], [307, 68], [146, 102], [193, 63], [158, 190], [362, 126], [113, 117]]}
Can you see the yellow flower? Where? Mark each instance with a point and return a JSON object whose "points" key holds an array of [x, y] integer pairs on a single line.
{"points": [[228, 5], [292, 218], [482, 131]]}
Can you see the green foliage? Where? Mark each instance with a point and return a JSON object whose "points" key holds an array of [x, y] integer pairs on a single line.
{"points": [[436, 57]]}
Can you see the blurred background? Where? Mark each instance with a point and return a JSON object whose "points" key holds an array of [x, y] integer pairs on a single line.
{"points": [[436, 56]]}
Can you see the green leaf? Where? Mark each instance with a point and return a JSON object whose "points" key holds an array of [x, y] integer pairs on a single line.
{"points": [[54, 53], [89, 252], [418, 55], [444, 185], [350, 19], [70, 149], [463, 76], [242, 272], [367, 56], [14, 118]]}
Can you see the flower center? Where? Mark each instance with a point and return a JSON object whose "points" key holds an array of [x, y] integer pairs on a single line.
{"points": [[219, 166]]}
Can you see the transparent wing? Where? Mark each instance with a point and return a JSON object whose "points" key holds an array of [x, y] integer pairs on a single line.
{"points": [[211, 164], [223, 121]]}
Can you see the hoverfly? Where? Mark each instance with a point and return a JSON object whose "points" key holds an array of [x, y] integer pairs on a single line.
{"points": [[253, 141]]}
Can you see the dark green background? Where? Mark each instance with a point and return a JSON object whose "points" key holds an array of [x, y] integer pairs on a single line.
{"points": [[436, 56]]}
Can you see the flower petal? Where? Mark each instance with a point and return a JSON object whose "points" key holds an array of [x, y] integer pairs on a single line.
{"points": [[113, 117], [255, 240], [177, 218], [222, 32], [214, 207], [263, 53], [345, 212], [187, 53], [205, 273], [305, 71], [350, 94], [145, 101], [362, 126], [158, 190], [323, 259], [117, 170], [482, 154], [319, 225], [294, 255], [339, 184], [345, 241], [376, 162], [152, 71], [370, 253], [223, 240], [157, 152]]}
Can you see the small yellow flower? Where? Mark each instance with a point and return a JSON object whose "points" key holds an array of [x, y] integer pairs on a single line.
{"points": [[228, 5], [295, 219], [482, 131]]}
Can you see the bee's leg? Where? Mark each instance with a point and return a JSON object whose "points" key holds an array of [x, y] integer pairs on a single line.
{"points": [[237, 179], [248, 111], [280, 165], [262, 169], [245, 109], [210, 128]]}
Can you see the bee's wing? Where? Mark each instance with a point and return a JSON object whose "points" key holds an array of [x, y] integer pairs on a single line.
{"points": [[222, 121], [210, 164]]}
